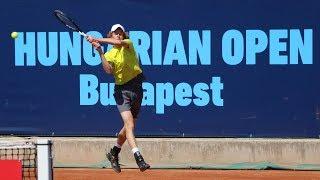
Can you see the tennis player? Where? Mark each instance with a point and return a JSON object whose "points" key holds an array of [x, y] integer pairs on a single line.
{"points": [[122, 63]]}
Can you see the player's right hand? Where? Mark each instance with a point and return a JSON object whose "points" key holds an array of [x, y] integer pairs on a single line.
{"points": [[97, 46]]}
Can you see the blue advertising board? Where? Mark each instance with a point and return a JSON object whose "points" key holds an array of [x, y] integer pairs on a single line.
{"points": [[213, 68]]}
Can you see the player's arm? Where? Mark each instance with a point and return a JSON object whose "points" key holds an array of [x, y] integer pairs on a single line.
{"points": [[108, 41], [105, 64]]}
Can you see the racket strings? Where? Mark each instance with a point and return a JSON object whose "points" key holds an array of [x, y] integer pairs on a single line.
{"points": [[66, 21]]}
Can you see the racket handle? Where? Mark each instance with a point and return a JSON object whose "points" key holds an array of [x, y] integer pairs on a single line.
{"points": [[83, 34]]}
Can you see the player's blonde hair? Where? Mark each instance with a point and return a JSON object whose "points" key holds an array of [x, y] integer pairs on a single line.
{"points": [[126, 36]]}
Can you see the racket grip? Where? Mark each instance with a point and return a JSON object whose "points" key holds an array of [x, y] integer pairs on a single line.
{"points": [[83, 34]]}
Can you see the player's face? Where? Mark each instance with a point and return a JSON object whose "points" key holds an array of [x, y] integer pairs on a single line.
{"points": [[118, 34]]}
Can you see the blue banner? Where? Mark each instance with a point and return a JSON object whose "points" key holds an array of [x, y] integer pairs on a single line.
{"points": [[213, 68]]}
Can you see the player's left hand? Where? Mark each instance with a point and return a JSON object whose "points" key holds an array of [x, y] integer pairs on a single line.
{"points": [[90, 39]]}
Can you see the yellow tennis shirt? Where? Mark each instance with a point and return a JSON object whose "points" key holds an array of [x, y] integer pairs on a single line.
{"points": [[124, 62]]}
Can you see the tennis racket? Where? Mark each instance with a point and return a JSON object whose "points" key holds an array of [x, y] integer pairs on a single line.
{"points": [[67, 21]]}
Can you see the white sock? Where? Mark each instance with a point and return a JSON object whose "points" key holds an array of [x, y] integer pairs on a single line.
{"points": [[134, 150], [118, 145]]}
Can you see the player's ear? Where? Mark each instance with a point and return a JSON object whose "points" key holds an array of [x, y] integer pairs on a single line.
{"points": [[126, 35]]}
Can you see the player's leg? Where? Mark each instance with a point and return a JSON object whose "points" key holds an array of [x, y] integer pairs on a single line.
{"points": [[129, 128], [125, 97], [123, 104], [121, 139], [122, 135], [113, 155], [135, 110]]}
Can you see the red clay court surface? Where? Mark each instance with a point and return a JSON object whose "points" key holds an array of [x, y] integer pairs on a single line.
{"points": [[157, 174]]}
